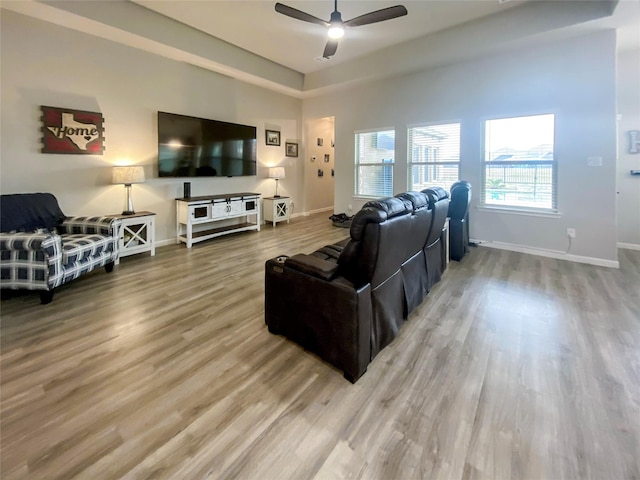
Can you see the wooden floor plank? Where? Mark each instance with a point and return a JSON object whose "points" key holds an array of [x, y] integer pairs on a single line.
{"points": [[514, 366]]}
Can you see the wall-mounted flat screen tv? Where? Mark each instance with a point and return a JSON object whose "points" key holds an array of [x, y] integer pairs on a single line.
{"points": [[197, 147]]}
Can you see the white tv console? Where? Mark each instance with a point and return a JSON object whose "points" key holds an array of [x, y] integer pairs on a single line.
{"points": [[202, 218]]}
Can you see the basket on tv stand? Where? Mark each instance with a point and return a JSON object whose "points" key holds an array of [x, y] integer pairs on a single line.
{"points": [[210, 216]]}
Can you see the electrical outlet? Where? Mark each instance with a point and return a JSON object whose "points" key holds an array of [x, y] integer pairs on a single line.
{"points": [[571, 232], [350, 207]]}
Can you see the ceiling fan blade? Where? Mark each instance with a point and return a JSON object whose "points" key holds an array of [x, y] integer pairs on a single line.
{"points": [[377, 16], [299, 15], [330, 48]]}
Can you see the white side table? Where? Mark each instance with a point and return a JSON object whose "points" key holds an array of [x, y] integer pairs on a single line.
{"points": [[136, 234], [276, 209]]}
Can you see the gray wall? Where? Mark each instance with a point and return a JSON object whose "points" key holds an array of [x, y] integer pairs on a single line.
{"points": [[628, 186], [43, 64], [318, 191], [574, 79]]}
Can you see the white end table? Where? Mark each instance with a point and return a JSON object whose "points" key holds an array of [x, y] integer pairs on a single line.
{"points": [[276, 209], [136, 234]]}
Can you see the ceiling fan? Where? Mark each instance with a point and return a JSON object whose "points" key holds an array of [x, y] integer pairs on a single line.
{"points": [[335, 24]]}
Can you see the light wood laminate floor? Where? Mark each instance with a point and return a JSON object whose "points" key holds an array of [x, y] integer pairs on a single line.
{"points": [[514, 366]]}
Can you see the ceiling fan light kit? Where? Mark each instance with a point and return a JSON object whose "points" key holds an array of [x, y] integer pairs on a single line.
{"points": [[336, 32], [336, 25]]}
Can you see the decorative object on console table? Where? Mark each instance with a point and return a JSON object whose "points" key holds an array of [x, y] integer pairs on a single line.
{"points": [[276, 173], [136, 234], [187, 189], [210, 216], [276, 209], [272, 137], [128, 176]]}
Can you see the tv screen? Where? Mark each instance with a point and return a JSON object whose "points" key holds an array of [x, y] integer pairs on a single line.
{"points": [[197, 147]]}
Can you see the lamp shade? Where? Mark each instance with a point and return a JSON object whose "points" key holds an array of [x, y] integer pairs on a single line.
{"points": [[128, 175], [276, 172]]}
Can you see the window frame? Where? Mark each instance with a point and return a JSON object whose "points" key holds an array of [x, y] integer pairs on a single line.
{"points": [[510, 208], [411, 164], [358, 164]]}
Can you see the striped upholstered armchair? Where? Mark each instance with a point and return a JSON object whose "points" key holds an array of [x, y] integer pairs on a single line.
{"points": [[41, 248]]}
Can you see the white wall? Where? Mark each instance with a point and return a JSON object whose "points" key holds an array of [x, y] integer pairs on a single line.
{"points": [[43, 64], [319, 191], [574, 79], [628, 186]]}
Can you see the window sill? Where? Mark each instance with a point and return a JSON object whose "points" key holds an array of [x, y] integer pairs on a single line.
{"points": [[519, 211]]}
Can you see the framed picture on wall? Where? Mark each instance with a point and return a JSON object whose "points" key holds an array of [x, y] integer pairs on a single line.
{"points": [[69, 131], [327, 158], [291, 149], [272, 137]]}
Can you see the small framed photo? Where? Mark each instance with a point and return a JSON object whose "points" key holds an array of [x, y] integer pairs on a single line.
{"points": [[272, 137], [320, 142], [327, 158], [291, 149]]}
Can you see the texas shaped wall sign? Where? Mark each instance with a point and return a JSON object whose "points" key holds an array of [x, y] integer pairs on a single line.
{"points": [[72, 131]]}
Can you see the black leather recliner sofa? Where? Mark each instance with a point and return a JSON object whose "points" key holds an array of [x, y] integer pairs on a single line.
{"points": [[459, 220], [346, 302]]}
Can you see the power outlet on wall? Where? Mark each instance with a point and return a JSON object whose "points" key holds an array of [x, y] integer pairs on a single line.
{"points": [[571, 232]]}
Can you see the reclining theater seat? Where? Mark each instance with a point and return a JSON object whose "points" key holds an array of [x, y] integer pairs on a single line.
{"points": [[346, 302], [414, 269], [435, 248], [41, 248], [459, 220], [375, 254]]}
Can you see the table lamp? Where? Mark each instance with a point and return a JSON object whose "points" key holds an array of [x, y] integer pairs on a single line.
{"points": [[128, 176], [276, 173]]}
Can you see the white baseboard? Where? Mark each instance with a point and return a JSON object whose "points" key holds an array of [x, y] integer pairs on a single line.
{"points": [[629, 246], [311, 212], [164, 243], [600, 262]]}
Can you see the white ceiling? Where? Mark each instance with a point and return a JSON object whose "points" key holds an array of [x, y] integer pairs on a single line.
{"points": [[250, 41], [254, 25]]}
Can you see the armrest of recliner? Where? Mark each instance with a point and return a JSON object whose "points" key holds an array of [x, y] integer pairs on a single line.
{"points": [[331, 318], [90, 225], [317, 267]]}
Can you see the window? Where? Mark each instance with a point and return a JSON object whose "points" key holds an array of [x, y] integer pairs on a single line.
{"points": [[434, 155], [375, 155], [519, 168]]}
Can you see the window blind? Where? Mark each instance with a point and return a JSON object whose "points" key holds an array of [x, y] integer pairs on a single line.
{"points": [[434, 155], [375, 158]]}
